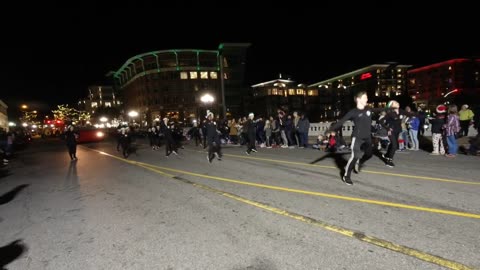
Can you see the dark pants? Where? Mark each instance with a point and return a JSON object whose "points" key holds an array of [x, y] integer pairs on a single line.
{"points": [[393, 146], [361, 150], [72, 150], [214, 147], [464, 125]]}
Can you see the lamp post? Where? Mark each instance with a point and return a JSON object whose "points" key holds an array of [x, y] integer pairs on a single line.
{"points": [[132, 114], [207, 99]]}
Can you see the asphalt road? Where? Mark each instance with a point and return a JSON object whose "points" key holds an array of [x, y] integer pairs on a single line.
{"points": [[275, 209]]}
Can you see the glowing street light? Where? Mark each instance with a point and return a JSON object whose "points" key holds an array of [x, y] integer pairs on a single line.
{"points": [[24, 106], [207, 98], [133, 113], [24, 124]]}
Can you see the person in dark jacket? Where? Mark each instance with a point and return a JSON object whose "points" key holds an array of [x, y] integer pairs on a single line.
{"points": [[361, 136], [213, 138], [71, 140], [170, 145], [393, 123]]}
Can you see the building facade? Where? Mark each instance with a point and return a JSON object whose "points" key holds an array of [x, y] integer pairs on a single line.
{"points": [[455, 80], [99, 96], [172, 82], [3, 115], [382, 82], [286, 95]]}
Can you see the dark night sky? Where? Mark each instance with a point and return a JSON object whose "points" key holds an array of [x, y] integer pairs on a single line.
{"points": [[50, 57]]}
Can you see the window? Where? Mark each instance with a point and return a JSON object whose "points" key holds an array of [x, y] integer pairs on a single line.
{"points": [[291, 92], [204, 75], [108, 104], [183, 75], [193, 75], [213, 75], [94, 105]]}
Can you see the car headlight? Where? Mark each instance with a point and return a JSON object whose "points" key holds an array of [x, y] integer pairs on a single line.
{"points": [[100, 134]]}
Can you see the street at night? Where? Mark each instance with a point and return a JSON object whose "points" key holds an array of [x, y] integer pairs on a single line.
{"points": [[274, 209]]}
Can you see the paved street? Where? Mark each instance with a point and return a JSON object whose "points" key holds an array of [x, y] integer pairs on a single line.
{"points": [[275, 209]]}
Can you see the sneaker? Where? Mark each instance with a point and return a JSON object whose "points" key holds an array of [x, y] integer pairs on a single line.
{"points": [[347, 180], [209, 160], [175, 153], [254, 150], [218, 156], [389, 163], [357, 167], [246, 152]]}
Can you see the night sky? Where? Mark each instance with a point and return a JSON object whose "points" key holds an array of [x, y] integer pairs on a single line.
{"points": [[50, 57]]}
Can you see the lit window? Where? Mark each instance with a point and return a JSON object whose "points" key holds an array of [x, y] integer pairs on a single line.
{"points": [[399, 81], [94, 105], [183, 75], [399, 75], [399, 70], [193, 75], [291, 92], [274, 91], [213, 75], [376, 94], [280, 92], [108, 104], [299, 91], [203, 75]]}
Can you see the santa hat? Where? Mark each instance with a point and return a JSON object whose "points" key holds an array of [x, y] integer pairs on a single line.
{"points": [[441, 109]]}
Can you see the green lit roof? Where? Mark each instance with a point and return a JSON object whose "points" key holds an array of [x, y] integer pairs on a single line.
{"points": [[155, 54]]}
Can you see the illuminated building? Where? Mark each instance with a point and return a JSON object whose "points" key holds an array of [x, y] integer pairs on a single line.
{"points": [[171, 82], [382, 82], [455, 79]]}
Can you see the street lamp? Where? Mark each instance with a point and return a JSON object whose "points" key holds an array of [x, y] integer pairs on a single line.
{"points": [[207, 99], [24, 106], [132, 114]]}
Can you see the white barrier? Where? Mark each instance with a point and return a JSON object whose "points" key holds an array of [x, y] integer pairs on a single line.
{"points": [[320, 128]]}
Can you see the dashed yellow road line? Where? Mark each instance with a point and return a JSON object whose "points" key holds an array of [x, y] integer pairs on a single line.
{"points": [[363, 171], [307, 192], [415, 253]]}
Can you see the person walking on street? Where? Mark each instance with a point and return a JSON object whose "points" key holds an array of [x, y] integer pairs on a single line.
{"points": [[71, 139], [361, 136], [213, 138]]}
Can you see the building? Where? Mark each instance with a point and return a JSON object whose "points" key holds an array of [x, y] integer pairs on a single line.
{"points": [[99, 96], [287, 95], [456, 80], [3, 115], [382, 82], [172, 82]]}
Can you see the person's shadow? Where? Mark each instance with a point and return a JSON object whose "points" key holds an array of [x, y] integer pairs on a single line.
{"points": [[338, 158], [7, 197], [11, 252]]}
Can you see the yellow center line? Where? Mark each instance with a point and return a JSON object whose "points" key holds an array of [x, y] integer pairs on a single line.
{"points": [[363, 171], [337, 229], [306, 192]]}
